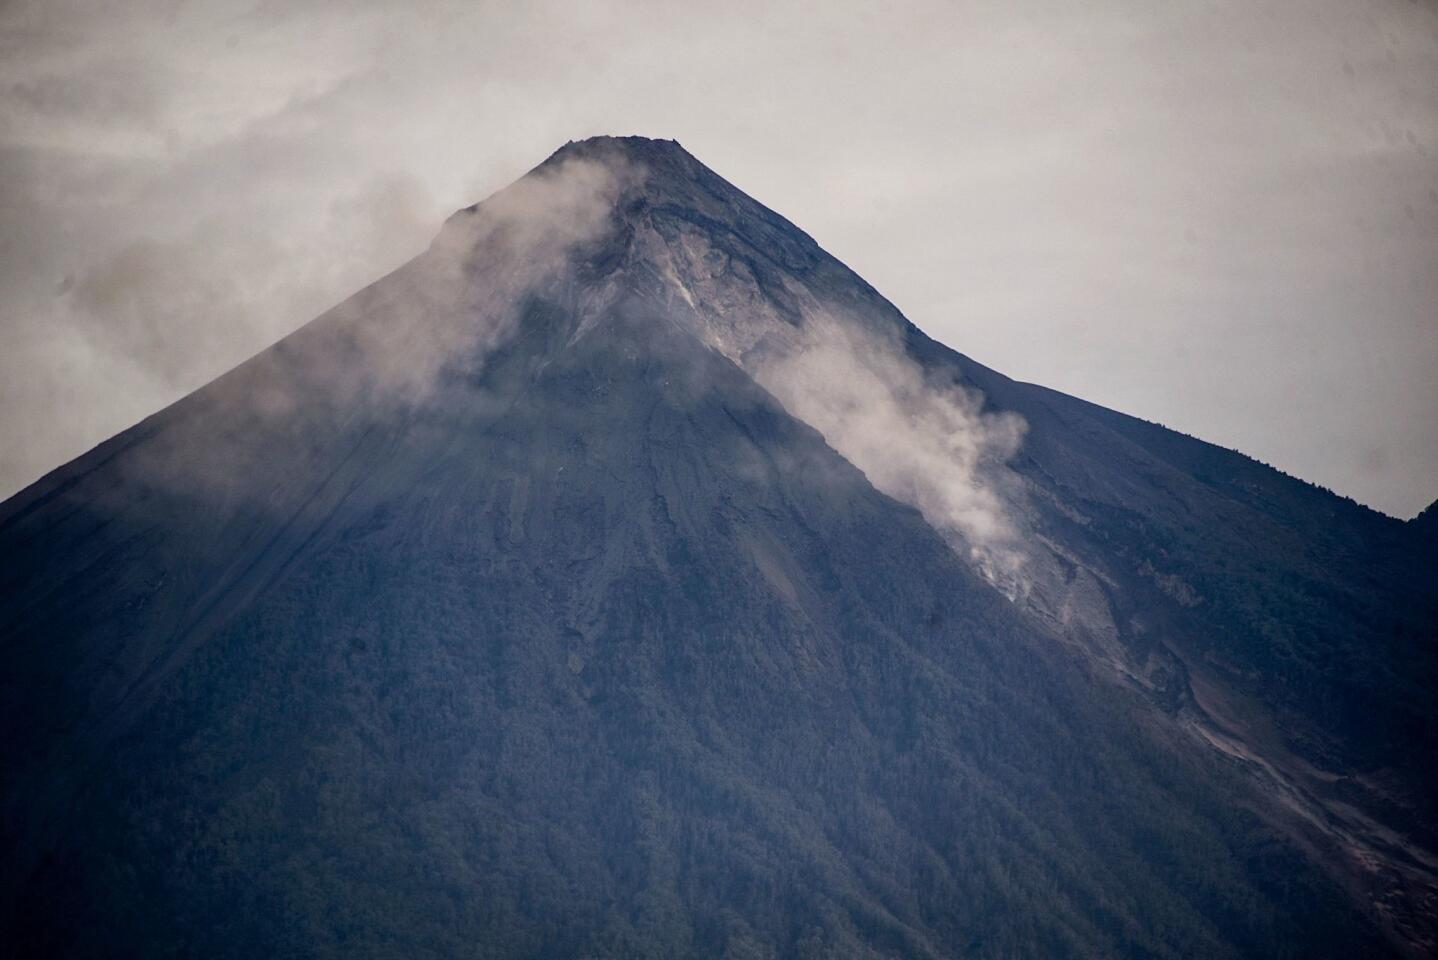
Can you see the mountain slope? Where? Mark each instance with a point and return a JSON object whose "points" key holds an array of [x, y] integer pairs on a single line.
{"points": [[511, 609]]}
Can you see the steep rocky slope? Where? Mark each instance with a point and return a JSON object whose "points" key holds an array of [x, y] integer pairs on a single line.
{"points": [[626, 577]]}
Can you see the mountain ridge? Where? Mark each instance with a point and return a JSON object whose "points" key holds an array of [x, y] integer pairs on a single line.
{"points": [[430, 555]]}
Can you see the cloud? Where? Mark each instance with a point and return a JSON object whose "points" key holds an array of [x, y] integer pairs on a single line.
{"points": [[1222, 217]]}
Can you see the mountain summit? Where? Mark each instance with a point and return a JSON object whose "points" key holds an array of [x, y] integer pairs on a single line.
{"points": [[625, 577]]}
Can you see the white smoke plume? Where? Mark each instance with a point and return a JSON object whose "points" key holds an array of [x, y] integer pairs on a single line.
{"points": [[926, 443], [462, 298], [385, 350], [918, 436]]}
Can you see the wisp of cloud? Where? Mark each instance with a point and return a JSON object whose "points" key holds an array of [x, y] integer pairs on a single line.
{"points": [[928, 444]]}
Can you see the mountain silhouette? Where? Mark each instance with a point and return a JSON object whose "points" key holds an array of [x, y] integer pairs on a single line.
{"points": [[625, 577]]}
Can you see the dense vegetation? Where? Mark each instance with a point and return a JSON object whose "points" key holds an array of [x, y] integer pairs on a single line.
{"points": [[595, 652]]}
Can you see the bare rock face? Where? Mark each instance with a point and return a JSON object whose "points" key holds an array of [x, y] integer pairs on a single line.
{"points": [[625, 577]]}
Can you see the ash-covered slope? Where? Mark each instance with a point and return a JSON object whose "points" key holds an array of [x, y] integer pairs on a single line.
{"points": [[625, 577]]}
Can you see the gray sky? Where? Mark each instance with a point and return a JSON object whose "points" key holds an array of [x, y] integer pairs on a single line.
{"points": [[1221, 215]]}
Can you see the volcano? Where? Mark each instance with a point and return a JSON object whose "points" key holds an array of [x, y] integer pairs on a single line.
{"points": [[626, 577]]}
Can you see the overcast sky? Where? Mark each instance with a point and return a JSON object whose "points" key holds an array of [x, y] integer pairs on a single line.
{"points": [[1222, 216]]}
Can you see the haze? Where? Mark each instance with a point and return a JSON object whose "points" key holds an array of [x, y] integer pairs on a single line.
{"points": [[1222, 216]]}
